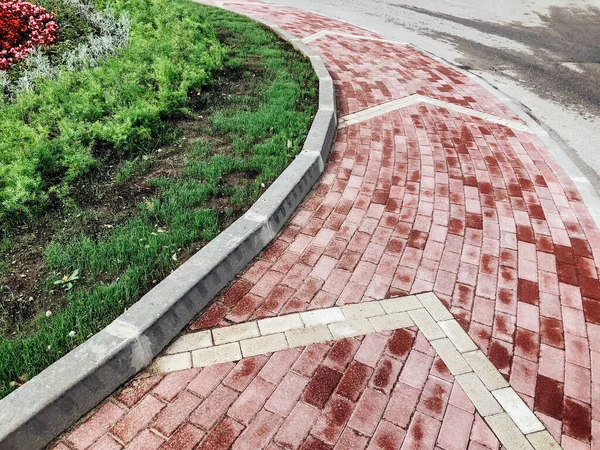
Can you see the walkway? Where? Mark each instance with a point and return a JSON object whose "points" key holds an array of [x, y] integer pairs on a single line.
{"points": [[433, 185]]}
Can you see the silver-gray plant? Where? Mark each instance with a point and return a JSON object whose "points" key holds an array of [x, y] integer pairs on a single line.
{"points": [[112, 33]]}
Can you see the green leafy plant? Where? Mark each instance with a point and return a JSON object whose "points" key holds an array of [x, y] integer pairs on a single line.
{"points": [[67, 281]]}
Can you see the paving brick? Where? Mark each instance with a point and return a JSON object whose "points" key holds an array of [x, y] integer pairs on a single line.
{"points": [[169, 419], [451, 356], [401, 304], [402, 404], [297, 425], [244, 372], [342, 353], [368, 412], [173, 363], [322, 317], [137, 418], [222, 436], [264, 344], [333, 419], [307, 336], [363, 310], [214, 407], [391, 322], [482, 399], [354, 380], [508, 432], [134, 392], [422, 432], [287, 394], [235, 333], [278, 365], [280, 324], [106, 442], [351, 328], [427, 325], [96, 425], [259, 432], [386, 374], [251, 401], [310, 359], [191, 341], [387, 436], [416, 369], [217, 354], [485, 370], [456, 429], [146, 440], [209, 379], [321, 386], [434, 397], [457, 335], [186, 438]]}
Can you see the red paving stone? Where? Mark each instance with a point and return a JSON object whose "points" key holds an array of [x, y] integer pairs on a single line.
{"points": [[420, 199]]}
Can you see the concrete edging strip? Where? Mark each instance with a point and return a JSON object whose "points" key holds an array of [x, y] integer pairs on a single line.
{"points": [[45, 406]]}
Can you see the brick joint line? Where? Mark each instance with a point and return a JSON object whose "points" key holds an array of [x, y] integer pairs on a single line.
{"points": [[508, 416]]}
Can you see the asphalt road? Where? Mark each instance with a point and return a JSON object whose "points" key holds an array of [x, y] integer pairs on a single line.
{"points": [[545, 54]]}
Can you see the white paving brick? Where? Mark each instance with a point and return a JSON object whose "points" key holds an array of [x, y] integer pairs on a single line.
{"points": [[191, 341], [391, 322], [351, 328], [518, 411], [457, 335], [235, 333], [483, 400], [434, 306], [426, 324], [451, 356], [322, 316], [507, 432], [306, 336], [280, 324], [264, 344], [400, 304], [488, 373], [363, 310], [543, 441], [216, 355], [173, 363]]}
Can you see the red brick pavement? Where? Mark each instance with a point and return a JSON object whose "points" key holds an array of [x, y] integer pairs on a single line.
{"points": [[420, 199]]}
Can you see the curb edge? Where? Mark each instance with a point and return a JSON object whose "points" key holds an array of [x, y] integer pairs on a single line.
{"points": [[49, 403]]}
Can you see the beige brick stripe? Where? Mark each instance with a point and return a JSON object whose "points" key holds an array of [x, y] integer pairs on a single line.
{"points": [[509, 417], [394, 105]]}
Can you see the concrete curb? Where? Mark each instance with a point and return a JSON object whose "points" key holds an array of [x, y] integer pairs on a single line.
{"points": [[49, 403]]}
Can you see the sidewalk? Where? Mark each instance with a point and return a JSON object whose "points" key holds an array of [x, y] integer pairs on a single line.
{"points": [[433, 185]]}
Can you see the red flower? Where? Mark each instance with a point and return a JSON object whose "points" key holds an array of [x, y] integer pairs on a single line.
{"points": [[23, 26]]}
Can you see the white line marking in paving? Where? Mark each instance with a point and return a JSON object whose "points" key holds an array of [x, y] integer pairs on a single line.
{"points": [[515, 425], [395, 105]]}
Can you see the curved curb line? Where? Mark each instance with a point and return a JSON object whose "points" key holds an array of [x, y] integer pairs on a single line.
{"points": [[45, 406]]}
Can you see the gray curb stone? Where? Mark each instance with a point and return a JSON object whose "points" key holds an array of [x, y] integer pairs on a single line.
{"points": [[49, 403]]}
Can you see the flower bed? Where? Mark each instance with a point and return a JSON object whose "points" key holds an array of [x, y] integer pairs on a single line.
{"points": [[23, 26]]}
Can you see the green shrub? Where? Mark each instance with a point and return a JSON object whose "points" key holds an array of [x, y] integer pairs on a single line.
{"points": [[84, 119]]}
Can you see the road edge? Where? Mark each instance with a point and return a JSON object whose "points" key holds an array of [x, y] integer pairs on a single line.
{"points": [[45, 406]]}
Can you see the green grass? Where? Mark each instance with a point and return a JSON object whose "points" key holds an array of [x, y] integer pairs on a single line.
{"points": [[251, 135], [81, 121]]}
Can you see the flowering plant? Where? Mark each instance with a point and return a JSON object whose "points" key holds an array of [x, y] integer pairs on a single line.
{"points": [[23, 26]]}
